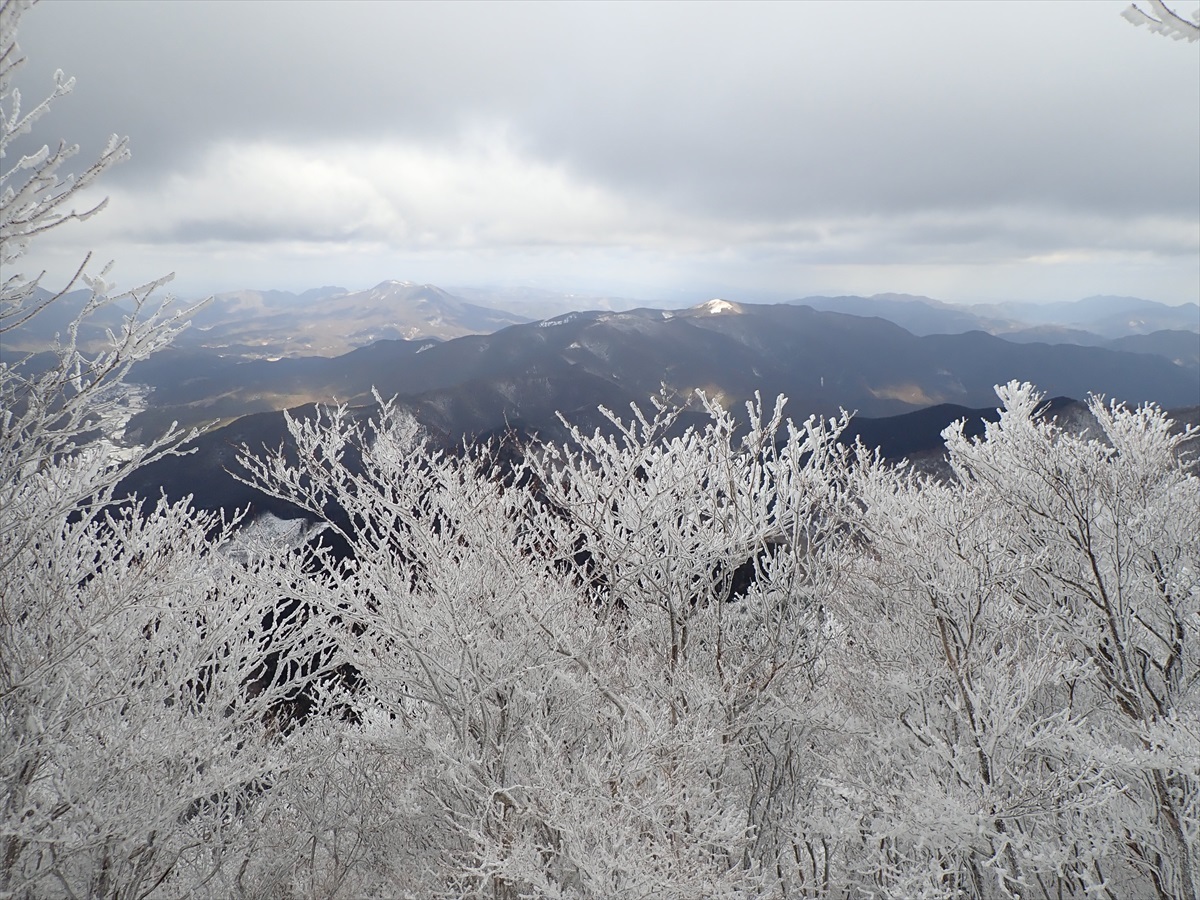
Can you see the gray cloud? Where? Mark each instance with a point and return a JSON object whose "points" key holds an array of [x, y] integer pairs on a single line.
{"points": [[813, 135]]}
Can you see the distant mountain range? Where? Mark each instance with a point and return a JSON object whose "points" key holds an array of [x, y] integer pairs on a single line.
{"points": [[525, 373], [326, 321], [331, 321], [904, 386], [467, 370], [1092, 321], [538, 303]]}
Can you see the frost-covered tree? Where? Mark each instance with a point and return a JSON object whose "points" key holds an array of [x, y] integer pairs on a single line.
{"points": [[143, 704], [1021, 664], [1161, 19], [741, 660], [147, 673], [53, 404], [591, 673]]}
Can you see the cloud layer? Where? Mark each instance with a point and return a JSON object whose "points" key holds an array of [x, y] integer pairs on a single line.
{"points": [[977, 151]]}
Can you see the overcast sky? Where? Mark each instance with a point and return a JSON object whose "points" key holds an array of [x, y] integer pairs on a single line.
{"points": [[664, 151]]}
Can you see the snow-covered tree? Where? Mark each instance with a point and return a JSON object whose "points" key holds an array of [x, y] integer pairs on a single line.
{"points": [[1021, 664], [1161, 19], [53, 404], [1113, 519], [592, 672], [146, 675], [742, 660]]}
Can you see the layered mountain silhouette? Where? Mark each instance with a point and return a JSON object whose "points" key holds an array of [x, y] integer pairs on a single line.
{"points": [[823, 361], [906, 365], [521, 378]]}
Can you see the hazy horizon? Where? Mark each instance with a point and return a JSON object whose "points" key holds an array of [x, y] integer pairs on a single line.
{"points": [[679, 298]]}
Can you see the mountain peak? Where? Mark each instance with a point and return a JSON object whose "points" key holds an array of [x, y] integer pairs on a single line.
{"points": [[717, 306]]}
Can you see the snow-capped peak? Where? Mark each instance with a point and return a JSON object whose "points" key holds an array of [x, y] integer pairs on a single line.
{"points": [[717, 306]]}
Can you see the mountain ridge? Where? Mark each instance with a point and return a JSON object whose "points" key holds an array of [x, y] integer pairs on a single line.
{"points": [[823, 360]]}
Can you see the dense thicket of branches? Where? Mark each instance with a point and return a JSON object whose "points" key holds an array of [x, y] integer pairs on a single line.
{"points": [[749, 662], [743, 661]]}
